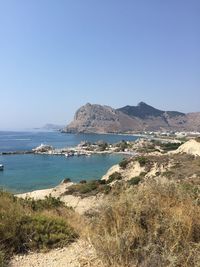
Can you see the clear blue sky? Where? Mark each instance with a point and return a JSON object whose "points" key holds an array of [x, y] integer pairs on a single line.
{"points": [[56, 55]]}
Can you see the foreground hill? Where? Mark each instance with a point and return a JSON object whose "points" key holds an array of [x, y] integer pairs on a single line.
{"points": [[104, 119], [146, 214]]}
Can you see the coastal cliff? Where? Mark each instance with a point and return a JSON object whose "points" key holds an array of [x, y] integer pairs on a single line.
{"points": [[93, 118]]}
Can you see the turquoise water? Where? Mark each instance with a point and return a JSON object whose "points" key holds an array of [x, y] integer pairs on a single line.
{"points": [[12, 141], [30, 172], [25, 173]]}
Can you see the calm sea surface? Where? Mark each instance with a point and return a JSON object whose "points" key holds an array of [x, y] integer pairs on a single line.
{"points": [[24, 173]]}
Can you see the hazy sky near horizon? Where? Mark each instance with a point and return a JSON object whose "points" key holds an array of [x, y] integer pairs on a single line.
{"points": [[58, 55]]}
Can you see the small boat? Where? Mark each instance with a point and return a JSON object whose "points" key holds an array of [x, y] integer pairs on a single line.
{"points": [[69, 154], [1, 167]]}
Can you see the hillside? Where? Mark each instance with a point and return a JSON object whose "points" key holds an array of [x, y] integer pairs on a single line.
{"points": [[146, 213], [104, 119]]}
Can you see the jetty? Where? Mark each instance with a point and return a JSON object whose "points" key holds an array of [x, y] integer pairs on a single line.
{"points": [[16, 152]]}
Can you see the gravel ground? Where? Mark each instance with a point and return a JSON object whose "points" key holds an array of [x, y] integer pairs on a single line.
{"points": [[78, 254]]}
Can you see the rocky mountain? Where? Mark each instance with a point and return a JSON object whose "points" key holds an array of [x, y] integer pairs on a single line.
{"points": [[104, 119], [143, 111]]}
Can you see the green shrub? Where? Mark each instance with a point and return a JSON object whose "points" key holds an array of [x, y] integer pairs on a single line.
{"points": [[142, 161], [102, 145], [22, 228], [170, 146], [135, 180], [142, 174], [48, 203], [39, 231], [114, 176], [168, 174], [3, 261], [83, 189], [107, 189], [197, 139], [102, 181], [66, 180], [83, 182], [90, 188], [122, 145], [192, 190], [123, 164]]}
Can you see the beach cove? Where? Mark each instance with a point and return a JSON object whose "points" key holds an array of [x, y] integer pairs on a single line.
{"points": [[30, 172]]}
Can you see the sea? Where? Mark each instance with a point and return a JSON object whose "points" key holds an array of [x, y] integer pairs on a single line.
{"points": [[28, 172]]}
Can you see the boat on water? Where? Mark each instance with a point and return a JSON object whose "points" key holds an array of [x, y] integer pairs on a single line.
{"points": [[1, 167], [69, 154], [76, 153]]}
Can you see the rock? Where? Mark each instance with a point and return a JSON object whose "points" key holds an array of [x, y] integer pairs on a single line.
{"points": [[43, 148], [104, 119], [191, 147], [100, 119]]}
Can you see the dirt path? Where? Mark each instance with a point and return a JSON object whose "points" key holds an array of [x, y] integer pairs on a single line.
{"points": [[78, 254]]}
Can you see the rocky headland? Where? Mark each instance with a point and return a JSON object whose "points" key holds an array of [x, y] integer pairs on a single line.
{"points": [[93, 118]]}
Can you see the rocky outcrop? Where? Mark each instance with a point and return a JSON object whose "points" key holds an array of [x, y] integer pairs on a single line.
{"points": [[101, 119], [191, 147], [104, 119]]}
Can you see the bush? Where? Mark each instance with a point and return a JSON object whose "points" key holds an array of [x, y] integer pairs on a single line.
{"points": [[142, 161], [168, 174], [142, 174], [3, 261], [122, 145], [106, 189], [25, 226], [102, 145], [123, 164], [102, 181], [197, 139], [114, 176], [66, 180], [41, 204], [134, 180], [90, 188], [39, 231], [170, 146], [83, 182]]}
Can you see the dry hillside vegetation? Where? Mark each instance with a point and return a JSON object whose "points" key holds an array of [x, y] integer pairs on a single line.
{"points": [[157, 224], [152, 219], [148, 216]]}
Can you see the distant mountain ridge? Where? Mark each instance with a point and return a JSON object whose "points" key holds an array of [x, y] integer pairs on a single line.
{"points": [[142, 111], [93, 118]]}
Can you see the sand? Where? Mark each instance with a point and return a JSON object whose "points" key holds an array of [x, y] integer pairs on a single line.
{"points": [[191, 147], [80, 205]]}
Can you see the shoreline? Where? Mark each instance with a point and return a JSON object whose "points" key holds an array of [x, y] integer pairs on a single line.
{"points": [[86, 152], [79, 204]]}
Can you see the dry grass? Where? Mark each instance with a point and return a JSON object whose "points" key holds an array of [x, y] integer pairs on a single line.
{"points": [[155, 224]]}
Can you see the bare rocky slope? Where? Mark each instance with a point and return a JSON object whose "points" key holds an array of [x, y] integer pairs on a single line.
{"points": [[104, 119]]}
